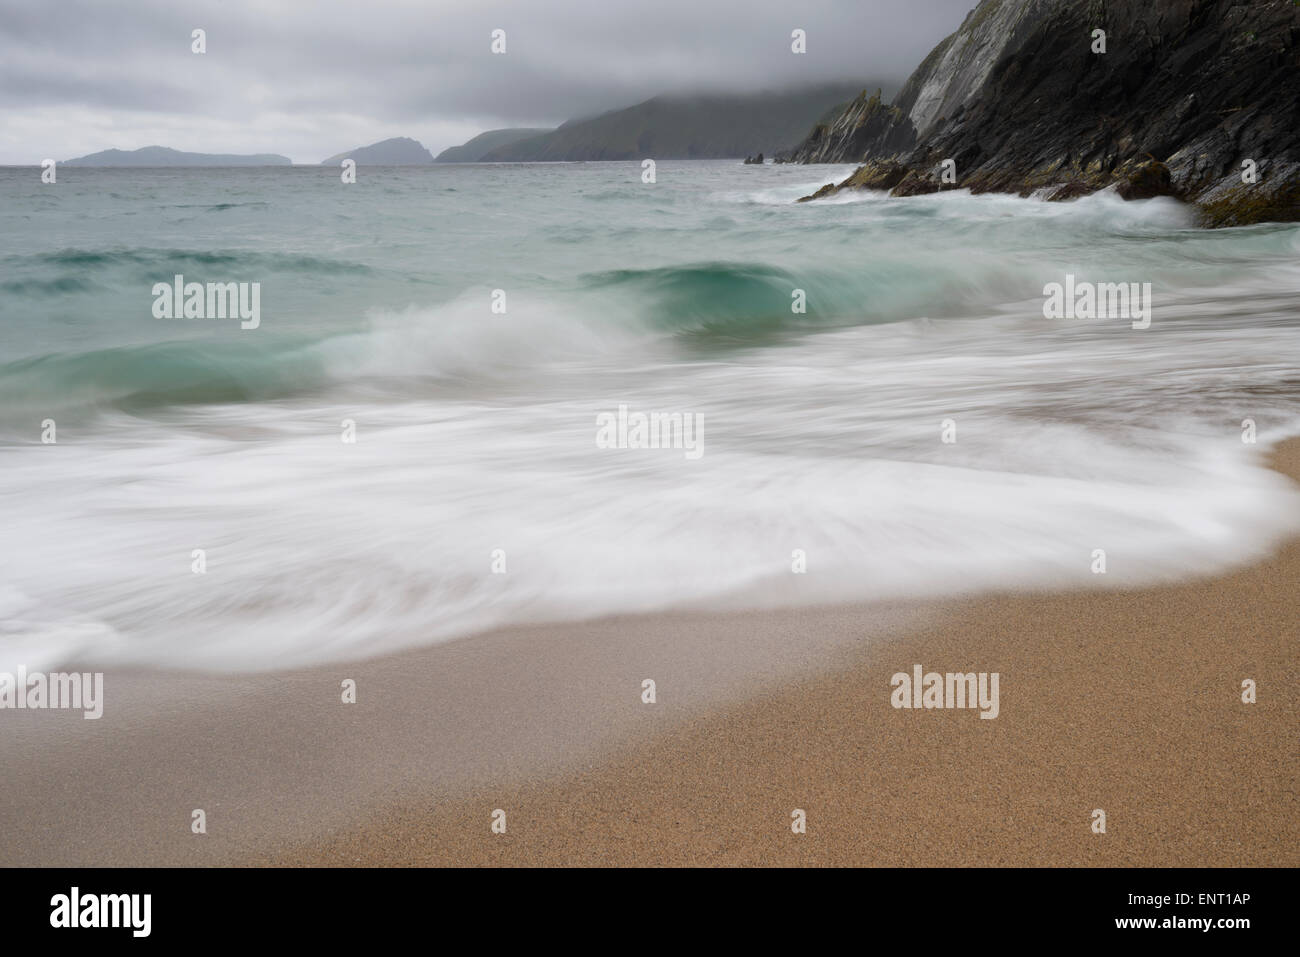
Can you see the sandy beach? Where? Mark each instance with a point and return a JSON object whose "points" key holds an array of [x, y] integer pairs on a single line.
{"points": [[1128, 701]]}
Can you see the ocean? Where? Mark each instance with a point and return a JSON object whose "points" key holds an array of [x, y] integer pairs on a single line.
{"points": [[405, 449]]}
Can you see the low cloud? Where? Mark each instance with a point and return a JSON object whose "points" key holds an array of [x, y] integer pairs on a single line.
{"points": [[307, 78]]}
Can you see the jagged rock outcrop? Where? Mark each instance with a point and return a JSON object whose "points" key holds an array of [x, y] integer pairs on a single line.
{"points": [[866, 125], [1190, 98], [1274, 198], [877, 174]]}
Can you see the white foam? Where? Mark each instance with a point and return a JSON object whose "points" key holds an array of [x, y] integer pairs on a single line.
{"points": [[476, 432], [317, 549]]}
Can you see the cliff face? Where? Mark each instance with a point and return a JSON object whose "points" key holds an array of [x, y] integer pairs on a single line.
{"points": [[1185, 93], [864, 127], [956, 70]]}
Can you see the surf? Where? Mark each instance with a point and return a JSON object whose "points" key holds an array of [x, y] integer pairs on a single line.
{"points": [[825, 477]]}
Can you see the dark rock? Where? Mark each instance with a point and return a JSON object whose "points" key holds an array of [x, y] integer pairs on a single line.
{"points": [[866, 127], [916, 184], [1069, 191], [830, 189], [1147, 181], [881, 176], [1274, 198], [1185, 92]]}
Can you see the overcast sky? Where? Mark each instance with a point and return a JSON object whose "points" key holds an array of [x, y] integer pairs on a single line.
{"points": [[310, 78]]}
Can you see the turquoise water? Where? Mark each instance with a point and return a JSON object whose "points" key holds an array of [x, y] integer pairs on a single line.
{"points": [[475, 429]]}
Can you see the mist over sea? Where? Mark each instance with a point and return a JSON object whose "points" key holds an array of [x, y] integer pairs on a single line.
{"points": [[475, 431]]}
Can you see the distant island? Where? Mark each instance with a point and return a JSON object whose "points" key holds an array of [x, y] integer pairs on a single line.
{"points": [[678, 126], [480, 146], [398, 151], [706, 126], [163, 156]]}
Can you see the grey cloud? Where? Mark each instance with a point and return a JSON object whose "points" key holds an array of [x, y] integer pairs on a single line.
{"points": [[395, 62]]}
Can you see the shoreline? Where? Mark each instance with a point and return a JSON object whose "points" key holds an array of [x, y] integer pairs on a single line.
{"points": [[1127, 700]]}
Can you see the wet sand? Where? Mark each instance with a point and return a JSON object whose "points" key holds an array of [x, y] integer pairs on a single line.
{"points": [[1125, 700]]}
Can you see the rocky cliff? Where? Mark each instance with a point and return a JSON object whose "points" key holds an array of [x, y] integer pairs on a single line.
{"points": [[866, 126], [1198, 99]]}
